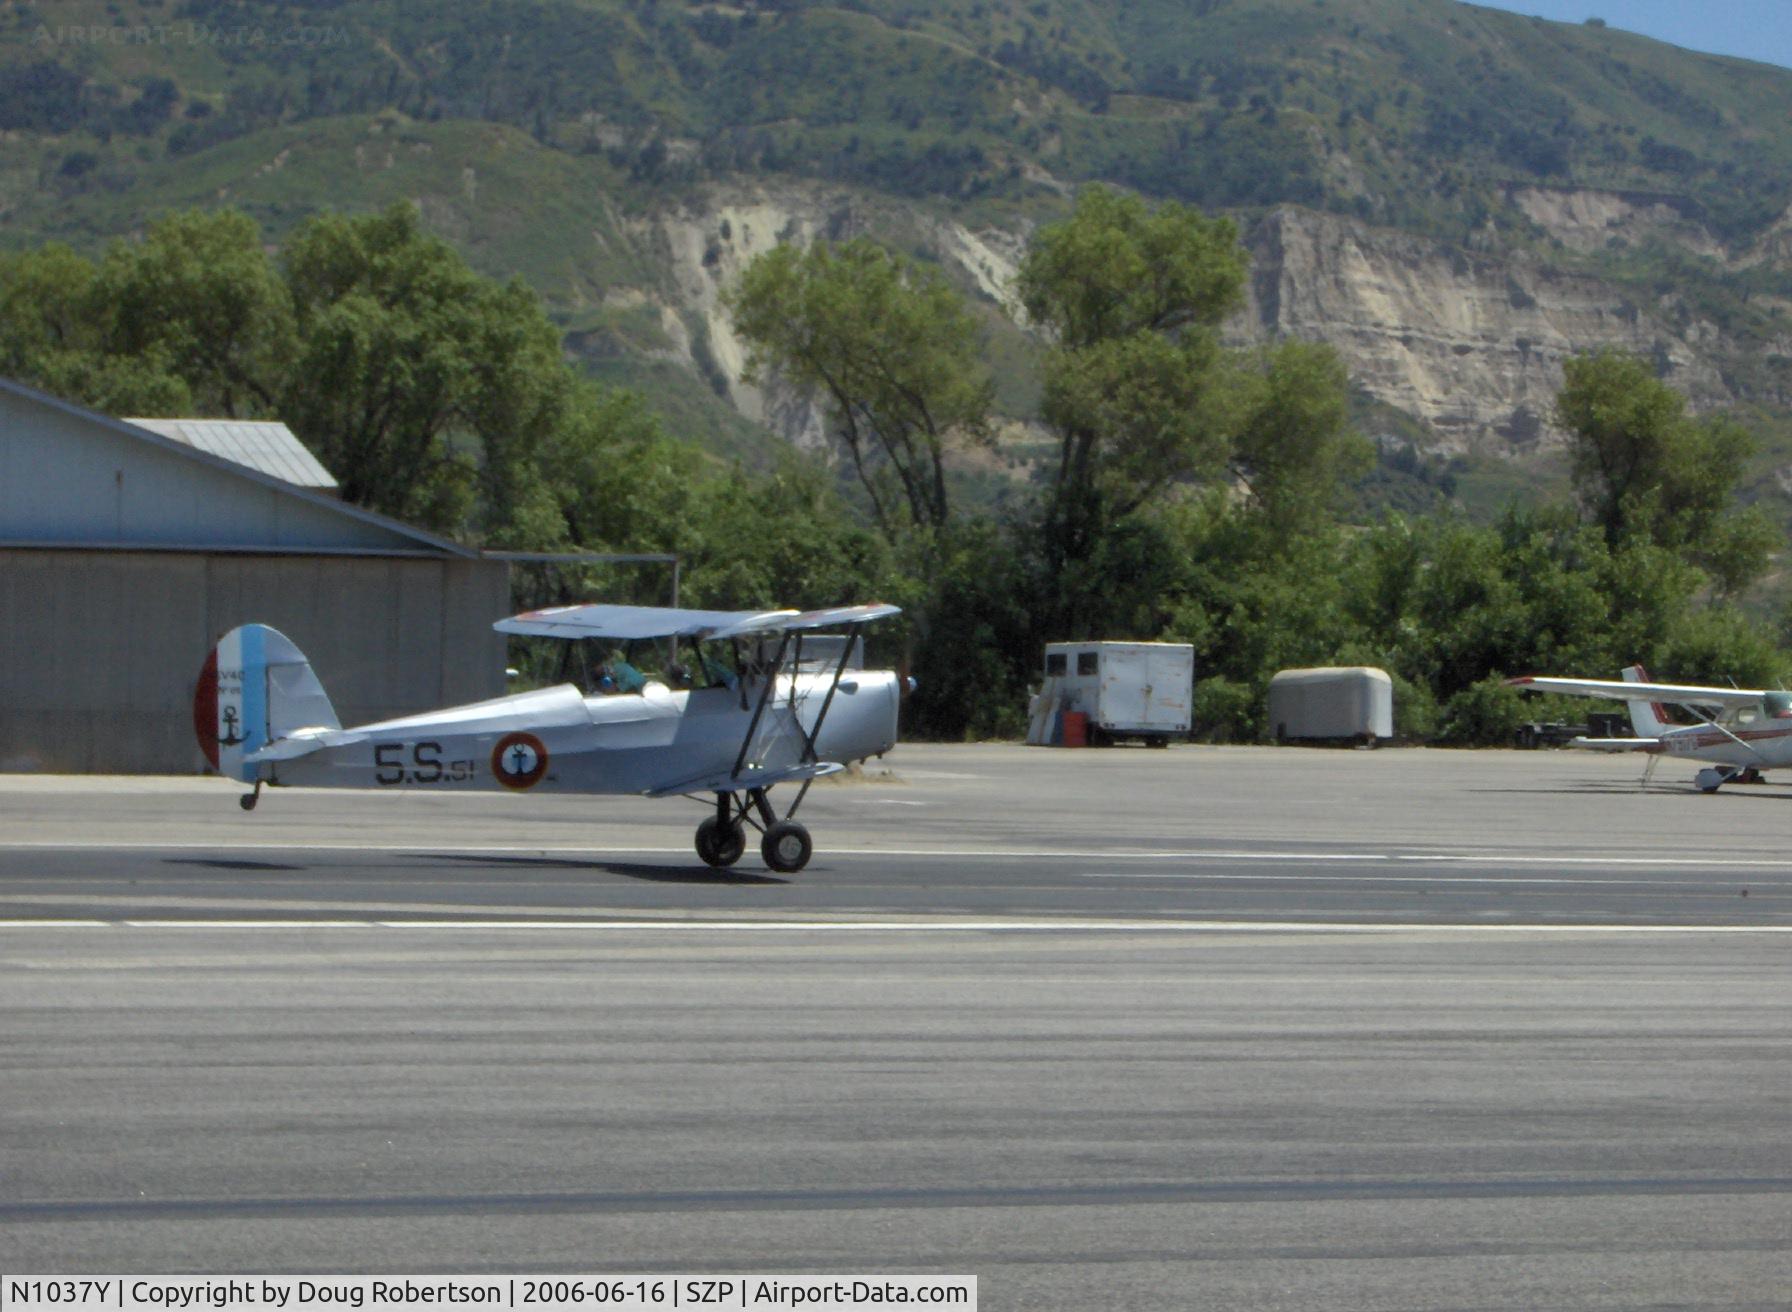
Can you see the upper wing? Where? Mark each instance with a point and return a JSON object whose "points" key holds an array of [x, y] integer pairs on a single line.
{"points": [[1686, 694], [627, 623], [778, 621]]}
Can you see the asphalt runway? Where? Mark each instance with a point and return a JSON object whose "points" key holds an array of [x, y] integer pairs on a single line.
{"points": [[1201, 1028]]}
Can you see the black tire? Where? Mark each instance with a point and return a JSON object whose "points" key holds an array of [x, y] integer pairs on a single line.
{"points": [[1158, 740], [717, 848], [786, 847]]}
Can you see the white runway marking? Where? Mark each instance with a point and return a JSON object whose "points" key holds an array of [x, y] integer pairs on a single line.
{"points": [[898, 926], [1287, 857], [1504, 881]]}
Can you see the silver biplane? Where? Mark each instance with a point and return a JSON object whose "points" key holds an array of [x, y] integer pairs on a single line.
{"points": [[754, 712]]}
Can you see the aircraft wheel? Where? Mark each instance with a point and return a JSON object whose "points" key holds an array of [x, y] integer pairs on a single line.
{"points": [[718, 848], [786, 847]]}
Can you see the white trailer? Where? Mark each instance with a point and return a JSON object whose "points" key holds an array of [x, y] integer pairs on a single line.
{"points": [[1143, 690], [1341, 703]]}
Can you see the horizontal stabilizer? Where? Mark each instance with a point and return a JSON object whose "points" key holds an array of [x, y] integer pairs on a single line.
{"points": [[738, 783], [301, 742], [1615, 744]]}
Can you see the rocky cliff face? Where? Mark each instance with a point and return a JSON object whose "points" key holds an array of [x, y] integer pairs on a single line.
{"points": [[1471, 343], [705, 246]]}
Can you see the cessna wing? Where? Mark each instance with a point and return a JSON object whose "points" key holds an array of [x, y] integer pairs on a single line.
{"points": [[1682, 694]]}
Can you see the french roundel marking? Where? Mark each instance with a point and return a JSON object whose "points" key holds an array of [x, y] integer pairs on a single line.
{"points": [[519, 760]]}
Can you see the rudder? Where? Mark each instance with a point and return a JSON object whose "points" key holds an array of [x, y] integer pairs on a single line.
{"points": [[255, 687], [1649, 719]]}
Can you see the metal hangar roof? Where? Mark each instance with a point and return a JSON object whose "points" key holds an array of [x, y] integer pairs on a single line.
{"points": [[259, 444]]}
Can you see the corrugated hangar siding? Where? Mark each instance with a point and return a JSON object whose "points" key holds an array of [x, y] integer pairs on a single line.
{"points": [[123, 560]]}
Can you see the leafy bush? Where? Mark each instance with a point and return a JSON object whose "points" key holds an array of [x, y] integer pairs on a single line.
{"points": [[1227, 711], [1483, 714]]}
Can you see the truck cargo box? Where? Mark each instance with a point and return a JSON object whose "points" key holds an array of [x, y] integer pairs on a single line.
{"points": [[1142, 690]]}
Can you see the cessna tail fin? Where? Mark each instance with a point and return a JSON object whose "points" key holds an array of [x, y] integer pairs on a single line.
{"points": [[256, 687], [1649, 719]]}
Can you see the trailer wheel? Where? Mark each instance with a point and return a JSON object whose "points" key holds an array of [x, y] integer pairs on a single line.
{"points": [[1158, 740]]}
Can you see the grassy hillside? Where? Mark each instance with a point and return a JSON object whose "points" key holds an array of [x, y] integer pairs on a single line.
{"points": [[543, 136], [1408, 111]]}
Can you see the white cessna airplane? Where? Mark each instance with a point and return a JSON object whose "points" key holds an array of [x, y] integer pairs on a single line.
{"points": [[757, 713], [1743, 731]]}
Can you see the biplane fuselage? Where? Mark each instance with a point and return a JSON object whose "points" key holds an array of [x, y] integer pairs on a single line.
{"points": [[559, 740]]}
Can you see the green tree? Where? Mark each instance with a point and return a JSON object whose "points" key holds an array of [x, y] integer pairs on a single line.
{"points": [[893, 351], [55, 322], [1642, 466], [200, 294], [785, 538], [1135, 388], [1295, 451], [419, 383], [1117, 267]]}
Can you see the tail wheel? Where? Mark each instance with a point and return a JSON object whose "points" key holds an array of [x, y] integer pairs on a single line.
{"points": [[786, 847], [720, 845]]}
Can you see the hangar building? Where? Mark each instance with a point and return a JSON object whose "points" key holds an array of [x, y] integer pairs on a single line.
{"points": [[127, 549]]}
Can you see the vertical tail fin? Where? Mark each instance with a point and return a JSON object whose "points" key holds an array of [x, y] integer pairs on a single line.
{"points": [[254, 688], [1649, 719]]}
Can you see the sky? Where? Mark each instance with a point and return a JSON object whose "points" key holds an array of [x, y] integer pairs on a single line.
{"points": [[1751, 29]]}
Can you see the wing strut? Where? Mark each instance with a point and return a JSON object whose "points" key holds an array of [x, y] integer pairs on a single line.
{"points": [[765, 696], [814, 735]]}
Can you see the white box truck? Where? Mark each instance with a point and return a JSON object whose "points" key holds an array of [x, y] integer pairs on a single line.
{"points": [[1142, 690]]}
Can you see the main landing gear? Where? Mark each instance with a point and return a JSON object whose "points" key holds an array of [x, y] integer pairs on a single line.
{"points": [[1714, 777], [722, 838]]}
